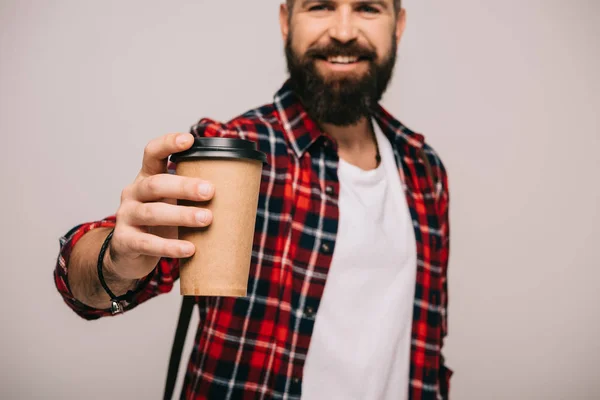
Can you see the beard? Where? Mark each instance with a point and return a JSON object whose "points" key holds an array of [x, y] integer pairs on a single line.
{"points": [[339, 100]]}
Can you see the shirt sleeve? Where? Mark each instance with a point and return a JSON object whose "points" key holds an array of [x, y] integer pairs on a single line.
{"points": [[161, 279]]}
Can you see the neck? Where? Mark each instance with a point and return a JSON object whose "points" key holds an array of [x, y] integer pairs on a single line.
{"points": [[356, 143], [350, 137]]}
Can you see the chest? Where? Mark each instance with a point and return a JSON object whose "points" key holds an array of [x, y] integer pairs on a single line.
{"points": [[302, 208]]}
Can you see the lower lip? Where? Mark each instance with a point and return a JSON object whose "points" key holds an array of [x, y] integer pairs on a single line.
{"points": [[341, 67]]}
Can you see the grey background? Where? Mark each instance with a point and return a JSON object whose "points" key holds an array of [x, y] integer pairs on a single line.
{"points": [[507, 91]]}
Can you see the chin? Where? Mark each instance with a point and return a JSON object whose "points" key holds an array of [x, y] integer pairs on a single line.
{"points": [[339, 77]]}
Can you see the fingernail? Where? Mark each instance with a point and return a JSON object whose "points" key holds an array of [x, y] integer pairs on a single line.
{"points": [[181, 140], [201, 216], [187, 248], [205, 189]]}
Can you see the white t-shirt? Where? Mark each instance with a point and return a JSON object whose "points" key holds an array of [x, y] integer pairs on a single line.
{"points": [[360, 346]]}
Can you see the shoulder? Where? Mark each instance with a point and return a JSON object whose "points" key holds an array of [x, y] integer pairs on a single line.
{"points": [[438, 170], [414, 139], [261, 125], [435, 160], [432, 157], [256, 125]]}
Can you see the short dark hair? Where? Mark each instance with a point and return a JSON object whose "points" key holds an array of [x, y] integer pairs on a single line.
{"points": [[397, 5]]}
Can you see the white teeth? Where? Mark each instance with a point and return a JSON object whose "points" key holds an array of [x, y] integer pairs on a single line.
{"points": [[342, 60]]}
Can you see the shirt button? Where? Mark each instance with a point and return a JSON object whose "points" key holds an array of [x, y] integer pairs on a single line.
{"points": [[329, 190], [325, 248], [296, 381], [309, 312]]}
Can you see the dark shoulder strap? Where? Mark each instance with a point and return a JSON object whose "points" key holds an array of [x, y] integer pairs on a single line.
{"points": [[187, 306]]}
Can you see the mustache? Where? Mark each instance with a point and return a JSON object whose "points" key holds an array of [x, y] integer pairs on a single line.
{"points": [[339, 49]]}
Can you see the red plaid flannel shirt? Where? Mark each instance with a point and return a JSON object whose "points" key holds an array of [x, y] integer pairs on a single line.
{"points": [[255, 347]]}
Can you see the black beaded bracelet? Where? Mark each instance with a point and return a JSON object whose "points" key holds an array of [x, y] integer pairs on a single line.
{"points": [[116, 305]]}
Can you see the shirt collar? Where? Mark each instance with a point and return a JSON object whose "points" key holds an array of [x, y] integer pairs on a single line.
{"points": [[303, 132]]}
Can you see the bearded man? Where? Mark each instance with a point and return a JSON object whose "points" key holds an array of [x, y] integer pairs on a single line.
{"points": [[347, 294]]}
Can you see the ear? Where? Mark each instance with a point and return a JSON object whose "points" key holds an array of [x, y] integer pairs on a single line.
{"points": [[400, 24], [284, 21]]}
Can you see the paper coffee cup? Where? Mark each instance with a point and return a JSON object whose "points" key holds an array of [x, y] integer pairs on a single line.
{"points": [[221, 264]]}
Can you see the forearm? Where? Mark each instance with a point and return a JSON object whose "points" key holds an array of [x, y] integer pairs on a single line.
{"points": [[83, 273]]}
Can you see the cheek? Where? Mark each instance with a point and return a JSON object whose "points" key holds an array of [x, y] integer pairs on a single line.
{"points": [[384, 47], [306, 33], [381, 37]]}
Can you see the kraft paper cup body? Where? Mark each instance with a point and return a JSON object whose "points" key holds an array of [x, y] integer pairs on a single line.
{"points": [[221, 263]]}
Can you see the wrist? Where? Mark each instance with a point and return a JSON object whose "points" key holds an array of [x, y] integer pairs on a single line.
{"points": [[117, 283], [116, 299], [119, 289]]}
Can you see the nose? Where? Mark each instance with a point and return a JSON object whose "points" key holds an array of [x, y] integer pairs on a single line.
{"points": [[342, 27]]}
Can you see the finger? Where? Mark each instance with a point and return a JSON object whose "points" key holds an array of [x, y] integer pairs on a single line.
{"points": [[163, 214], [152, 245], [157, 151], [167, 186]]}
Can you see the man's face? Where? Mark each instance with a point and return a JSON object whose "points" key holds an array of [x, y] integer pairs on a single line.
{"points": [[340, 55]]}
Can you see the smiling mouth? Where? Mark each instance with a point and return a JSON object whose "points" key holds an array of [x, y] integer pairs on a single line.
{"points": [[343, 60]]}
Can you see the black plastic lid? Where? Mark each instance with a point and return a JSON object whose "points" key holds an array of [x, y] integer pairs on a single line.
{"points": [[204, 147]]}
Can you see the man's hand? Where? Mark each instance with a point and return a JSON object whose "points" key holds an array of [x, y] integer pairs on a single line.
{"points": [[148, 216]]}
